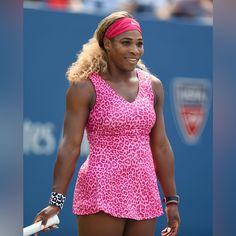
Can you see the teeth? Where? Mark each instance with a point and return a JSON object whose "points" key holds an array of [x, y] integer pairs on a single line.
{"points": [[132, 60]]}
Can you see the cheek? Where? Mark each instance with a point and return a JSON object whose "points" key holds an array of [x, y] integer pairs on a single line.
{"points": [[117, 51], [114, 53], [141, 51]]}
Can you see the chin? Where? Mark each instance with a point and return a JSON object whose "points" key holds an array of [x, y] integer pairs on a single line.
{"points": [[130, 68]]}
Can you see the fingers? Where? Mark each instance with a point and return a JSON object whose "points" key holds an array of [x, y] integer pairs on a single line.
{"points": [[173, 219], [41, 217], [175, 227], [165, 231], [44, 220], [45, 214], [171, 230], [168, 232], [37, 219], [53, 227]]}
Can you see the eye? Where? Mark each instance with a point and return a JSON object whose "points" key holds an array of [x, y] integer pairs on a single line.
{"points": [[126, 43], [139, 44]]}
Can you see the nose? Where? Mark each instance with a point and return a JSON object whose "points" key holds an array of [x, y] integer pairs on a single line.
{"points": [[134, 50]]}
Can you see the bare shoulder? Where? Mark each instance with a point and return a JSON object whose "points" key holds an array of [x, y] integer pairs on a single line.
{"points": [[80, 92], [157, 88], [156, 84]]}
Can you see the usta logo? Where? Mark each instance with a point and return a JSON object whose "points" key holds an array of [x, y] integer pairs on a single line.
{"points": [[191, 98]]}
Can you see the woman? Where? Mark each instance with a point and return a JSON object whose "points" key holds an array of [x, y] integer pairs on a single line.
{"points": [[120, 106]]}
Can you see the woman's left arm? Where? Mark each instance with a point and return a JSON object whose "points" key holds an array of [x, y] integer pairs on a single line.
{"points": [[164, 159]]}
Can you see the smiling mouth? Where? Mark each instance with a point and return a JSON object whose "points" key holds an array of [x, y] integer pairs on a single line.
{"points": [[132, 60]]}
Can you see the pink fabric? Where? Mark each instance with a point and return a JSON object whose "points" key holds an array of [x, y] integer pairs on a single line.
{"points": [[118, 176], [122, 25]]}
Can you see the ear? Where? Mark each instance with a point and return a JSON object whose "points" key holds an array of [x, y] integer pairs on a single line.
{"points": [[107, 44]]}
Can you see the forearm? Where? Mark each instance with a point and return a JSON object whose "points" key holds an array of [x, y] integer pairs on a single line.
{"points": [[64, 167], [164, 163]]}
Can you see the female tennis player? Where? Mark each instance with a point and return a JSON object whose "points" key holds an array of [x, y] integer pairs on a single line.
{"points": [[120, 105]]}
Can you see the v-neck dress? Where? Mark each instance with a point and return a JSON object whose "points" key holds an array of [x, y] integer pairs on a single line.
{"points": [[118, 177]]}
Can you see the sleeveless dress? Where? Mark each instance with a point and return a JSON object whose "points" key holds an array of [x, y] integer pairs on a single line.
{"points": [[118, 177]]}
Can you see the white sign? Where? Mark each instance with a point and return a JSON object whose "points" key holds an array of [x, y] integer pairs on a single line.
{"points": [[38, 138]]}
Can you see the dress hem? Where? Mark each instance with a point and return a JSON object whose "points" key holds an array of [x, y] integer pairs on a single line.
{"points": [[118, 215]]}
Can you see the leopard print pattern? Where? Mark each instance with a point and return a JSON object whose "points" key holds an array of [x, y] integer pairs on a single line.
{"points": [[118, 176]]}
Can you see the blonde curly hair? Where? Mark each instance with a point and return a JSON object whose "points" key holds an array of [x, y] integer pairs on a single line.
{"points": [[93, 57]]}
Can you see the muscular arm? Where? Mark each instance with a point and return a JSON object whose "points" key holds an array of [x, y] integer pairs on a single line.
{"points": [[160, 146], [78, 99], [164, 160]]}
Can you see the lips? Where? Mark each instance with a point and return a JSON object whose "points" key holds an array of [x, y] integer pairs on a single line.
{"points": [[132, 60]]}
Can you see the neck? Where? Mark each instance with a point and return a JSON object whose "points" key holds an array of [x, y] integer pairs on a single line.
{"points": [[115, 73]]}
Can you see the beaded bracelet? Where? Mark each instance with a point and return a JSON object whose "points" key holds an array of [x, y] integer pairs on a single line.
{"points": [[57, 199], [172, 199]]}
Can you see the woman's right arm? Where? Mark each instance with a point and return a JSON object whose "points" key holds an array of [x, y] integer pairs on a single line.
{"points": [[78, 101]]}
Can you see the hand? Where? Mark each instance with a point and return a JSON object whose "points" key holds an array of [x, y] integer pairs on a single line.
{"points": [[173, 220], [45, 214]]}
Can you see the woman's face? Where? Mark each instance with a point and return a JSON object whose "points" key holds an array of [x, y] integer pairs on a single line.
{"points": [[125, 50]]}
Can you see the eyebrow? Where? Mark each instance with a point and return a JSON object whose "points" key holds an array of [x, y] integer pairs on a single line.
{"points": [[127, 38]]}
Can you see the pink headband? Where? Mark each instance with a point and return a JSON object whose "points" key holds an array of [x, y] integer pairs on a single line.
{"points": [[120, 26]]}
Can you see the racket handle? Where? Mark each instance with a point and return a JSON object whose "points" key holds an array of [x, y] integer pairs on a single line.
{"points": [[36, 227]]}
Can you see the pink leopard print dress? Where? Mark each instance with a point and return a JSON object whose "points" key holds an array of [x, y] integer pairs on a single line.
{"points": [[118, 176]]}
